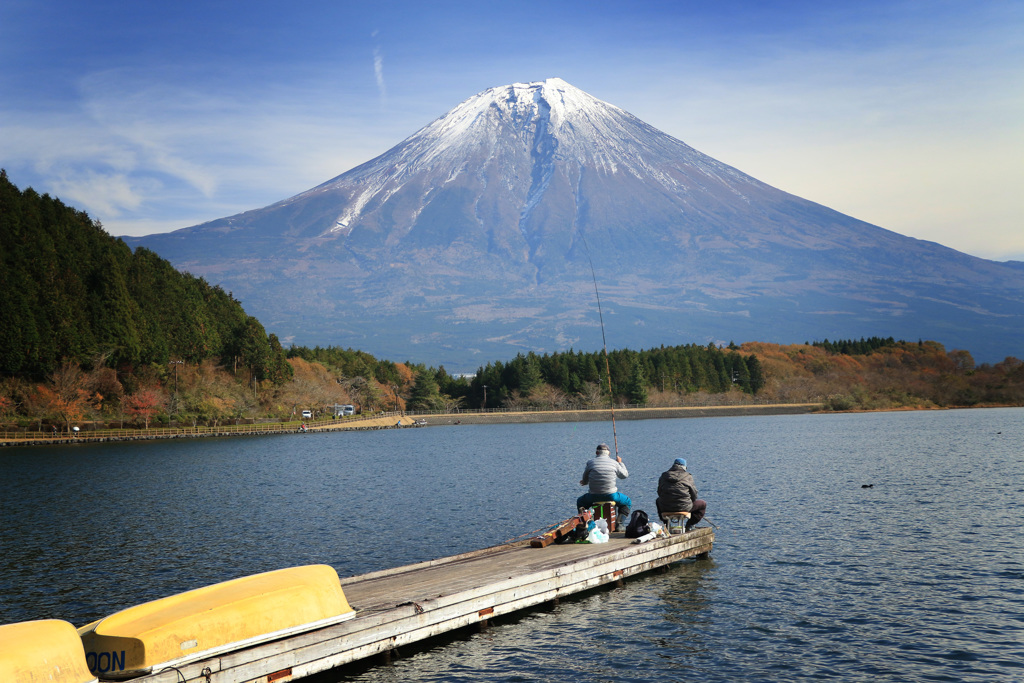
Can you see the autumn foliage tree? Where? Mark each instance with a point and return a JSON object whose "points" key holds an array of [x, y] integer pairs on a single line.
{"points": [[143, 404], [65, 396]]}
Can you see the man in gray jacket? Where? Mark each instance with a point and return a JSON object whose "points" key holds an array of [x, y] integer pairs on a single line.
{"points": [[600, 474], [677, 492]]}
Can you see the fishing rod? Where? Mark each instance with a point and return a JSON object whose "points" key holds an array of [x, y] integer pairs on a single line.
{"points": [[604, 341], [705, 519]]}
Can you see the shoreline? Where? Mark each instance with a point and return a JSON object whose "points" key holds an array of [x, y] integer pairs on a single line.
{"points": [[416, 420], [604, 414], [404, 421]]}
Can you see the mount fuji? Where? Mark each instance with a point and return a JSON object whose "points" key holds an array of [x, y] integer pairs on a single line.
{"points": [[482, 234]]}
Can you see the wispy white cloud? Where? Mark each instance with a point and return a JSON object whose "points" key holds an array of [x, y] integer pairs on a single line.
{"points": [[135, 151], [107, 194], [378, 70]]}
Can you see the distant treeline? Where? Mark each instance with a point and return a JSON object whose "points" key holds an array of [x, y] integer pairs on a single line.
{"points": [[73, 293], [851, 347], [682, 369], [872, 373]]}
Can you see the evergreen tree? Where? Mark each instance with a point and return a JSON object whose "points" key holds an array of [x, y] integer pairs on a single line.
{"points": [[255, 349], [280, 370], [636, 387], [738, 370], [385, 373], [425, 394], [756, 374], [530, 377], [115, 314]]}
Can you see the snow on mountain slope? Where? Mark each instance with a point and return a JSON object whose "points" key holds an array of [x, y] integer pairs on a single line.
{"points": [[475, 236], [540, 126]]}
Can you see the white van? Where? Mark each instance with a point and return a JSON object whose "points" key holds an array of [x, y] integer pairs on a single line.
{"points": [[307, 414], [348, 410]]}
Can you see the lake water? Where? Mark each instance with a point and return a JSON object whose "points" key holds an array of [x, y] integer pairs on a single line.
{"points": [[918, 578]]}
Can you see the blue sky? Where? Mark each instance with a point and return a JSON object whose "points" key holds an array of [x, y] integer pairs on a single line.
{"points": [[156, 116]]}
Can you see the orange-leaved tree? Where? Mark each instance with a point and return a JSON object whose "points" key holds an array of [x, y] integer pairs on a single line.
{"points": [[6, 405], [143, 404], [65, 396]]}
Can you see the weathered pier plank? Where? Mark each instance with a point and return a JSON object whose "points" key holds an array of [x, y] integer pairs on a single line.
{"points": [[399, 606]]}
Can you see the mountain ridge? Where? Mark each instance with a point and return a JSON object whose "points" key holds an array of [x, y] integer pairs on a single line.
{"points": [[474, 237]]}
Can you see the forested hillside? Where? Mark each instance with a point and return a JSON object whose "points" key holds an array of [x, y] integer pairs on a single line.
{"points": [[74, 294]]}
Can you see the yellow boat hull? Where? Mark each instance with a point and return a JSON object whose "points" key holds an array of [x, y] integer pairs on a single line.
{"points": [[214, 619], [37, 651]]}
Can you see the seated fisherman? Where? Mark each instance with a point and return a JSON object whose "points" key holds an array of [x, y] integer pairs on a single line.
{"points": [[677, 492], [600, 474]]}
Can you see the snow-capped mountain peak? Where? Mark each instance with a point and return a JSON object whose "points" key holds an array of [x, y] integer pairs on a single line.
{"points": [[544, 128], [552, 101], [477, 232]]}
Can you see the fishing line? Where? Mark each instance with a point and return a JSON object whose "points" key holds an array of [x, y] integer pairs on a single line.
{"points": [[604, 341]]}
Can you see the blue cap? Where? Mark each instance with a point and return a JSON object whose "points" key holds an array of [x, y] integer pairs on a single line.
{"points": [[681, 461]]}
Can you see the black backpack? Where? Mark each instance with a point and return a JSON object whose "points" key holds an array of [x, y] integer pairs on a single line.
{"points": [[638, 525]]}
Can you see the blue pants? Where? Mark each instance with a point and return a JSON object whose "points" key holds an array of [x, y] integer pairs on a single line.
{"points": [[620, 499]]}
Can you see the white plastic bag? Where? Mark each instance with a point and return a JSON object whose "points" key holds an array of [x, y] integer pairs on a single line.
{"points": [[655, 531], [597, 536]]}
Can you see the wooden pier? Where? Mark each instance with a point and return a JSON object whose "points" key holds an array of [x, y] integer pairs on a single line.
{"points": [[396, 607]]}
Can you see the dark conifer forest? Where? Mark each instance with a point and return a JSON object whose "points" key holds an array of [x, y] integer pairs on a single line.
{"points": [[73, 293]]}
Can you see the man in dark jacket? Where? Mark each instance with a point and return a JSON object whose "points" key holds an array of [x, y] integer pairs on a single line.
{"points": [[678, 493]]}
